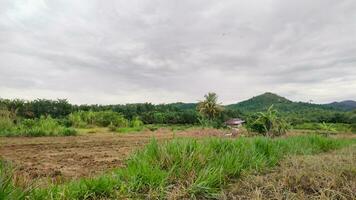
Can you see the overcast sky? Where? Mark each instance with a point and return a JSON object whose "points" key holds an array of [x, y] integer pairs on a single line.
{"points": [[166, 51]]}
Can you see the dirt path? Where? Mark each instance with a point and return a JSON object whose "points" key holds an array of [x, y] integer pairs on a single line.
{"points": [[78, 156]]}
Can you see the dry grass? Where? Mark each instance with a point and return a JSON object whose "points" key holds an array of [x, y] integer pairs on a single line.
{"points": [[324, 176]]}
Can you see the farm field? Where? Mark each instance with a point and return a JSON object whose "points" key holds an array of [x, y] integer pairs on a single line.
{"points": [[63, 163], [145, 151], [80, 156]]}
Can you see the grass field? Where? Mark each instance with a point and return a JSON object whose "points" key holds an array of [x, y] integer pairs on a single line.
{"points": [[169, 167]]}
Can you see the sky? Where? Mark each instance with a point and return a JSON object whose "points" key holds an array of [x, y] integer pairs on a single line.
{"points": [[162, 51]]}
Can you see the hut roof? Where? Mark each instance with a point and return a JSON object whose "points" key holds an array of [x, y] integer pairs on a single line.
{"points": [[234, 121]]}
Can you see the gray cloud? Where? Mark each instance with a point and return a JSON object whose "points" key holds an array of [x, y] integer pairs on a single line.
{"points": [[167, 51]]}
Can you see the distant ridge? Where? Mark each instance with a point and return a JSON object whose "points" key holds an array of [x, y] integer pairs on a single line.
{"points": [[264, 101], [344, 105]]}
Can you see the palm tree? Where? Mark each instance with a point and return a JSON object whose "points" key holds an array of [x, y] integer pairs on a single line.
{"points": [[209, 106]]}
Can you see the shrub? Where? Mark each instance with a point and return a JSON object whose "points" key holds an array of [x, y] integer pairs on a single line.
{"points": [[6, 120], [45, 126], [136, 122], [83, 119], [353, 128], [269, 123]]}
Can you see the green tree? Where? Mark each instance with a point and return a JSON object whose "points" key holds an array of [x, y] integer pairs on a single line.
{"points": [[209, 107]]}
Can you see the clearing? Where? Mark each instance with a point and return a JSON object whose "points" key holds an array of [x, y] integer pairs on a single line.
{"points": [[63, 158]]}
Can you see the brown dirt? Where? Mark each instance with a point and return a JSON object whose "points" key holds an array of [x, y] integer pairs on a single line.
{"points": [[63, 158]]}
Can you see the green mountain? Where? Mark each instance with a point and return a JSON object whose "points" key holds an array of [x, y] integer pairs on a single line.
{"points": [[264, 101], [344, 105]]}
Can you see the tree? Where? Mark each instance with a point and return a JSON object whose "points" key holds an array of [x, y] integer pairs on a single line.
{"points": [[209, 107], [269, 123]]}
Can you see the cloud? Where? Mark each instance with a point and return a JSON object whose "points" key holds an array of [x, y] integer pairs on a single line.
{"points": [[167, 51]]}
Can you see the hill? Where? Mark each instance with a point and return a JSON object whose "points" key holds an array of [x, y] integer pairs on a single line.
{"points": [[264, 101], [296, 112], [343, 105]]}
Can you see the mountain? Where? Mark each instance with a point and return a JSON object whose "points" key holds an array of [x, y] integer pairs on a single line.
{"points": [[343, 105], [264, 101]]}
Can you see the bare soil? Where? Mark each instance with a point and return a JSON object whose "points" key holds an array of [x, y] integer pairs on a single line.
{"points": [[78, 156]]}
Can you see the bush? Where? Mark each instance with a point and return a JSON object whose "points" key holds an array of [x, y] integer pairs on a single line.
{"points": [[84, 119], [6, 120], [136, 122], [45, 126], [353, 128], [269, 123]]}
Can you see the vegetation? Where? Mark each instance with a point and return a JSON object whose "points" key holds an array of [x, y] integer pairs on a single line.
{"points": [[331, 127], [206, 111], [328, 176], [269, 123], [295, 112], [44, 126], [8, 189], [209, 107], [186, 168], [19, 117], [82, 119]]}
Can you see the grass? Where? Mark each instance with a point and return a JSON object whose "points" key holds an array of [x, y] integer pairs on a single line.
{"points": [[129, 129], [327, 127], [45, 126], [8, 189], [188, 168], [155, 127], [330, 175]]}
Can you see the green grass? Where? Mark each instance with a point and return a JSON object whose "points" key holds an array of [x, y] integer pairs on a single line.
{"points": [[327, 127], [129, 129], [172, 127], [155, 127], [188, 168], [8, 189], [45, 126]]}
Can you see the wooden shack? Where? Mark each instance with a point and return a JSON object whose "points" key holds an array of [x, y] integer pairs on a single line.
{"points": [[234, 124]]}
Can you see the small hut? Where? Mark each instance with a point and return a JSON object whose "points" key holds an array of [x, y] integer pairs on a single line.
{"points": [[234, 124]]}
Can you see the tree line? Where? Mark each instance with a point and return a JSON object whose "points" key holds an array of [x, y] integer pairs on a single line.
{"points": [[175, 113]]}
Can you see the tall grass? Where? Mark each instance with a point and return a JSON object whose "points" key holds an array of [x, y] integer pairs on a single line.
{"points": [[8, 190], [45, 126], [83, 119], [188, 168]]}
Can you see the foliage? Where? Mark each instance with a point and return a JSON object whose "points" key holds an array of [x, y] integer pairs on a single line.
{"points": [[209, 107], [269, 123], [39, 107], [332, 127], [8, 190], [189, 168], [182, 113], [82, 119], [136, 122], [44, 126], [129, 129], [7, 119], [294, 112]]}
